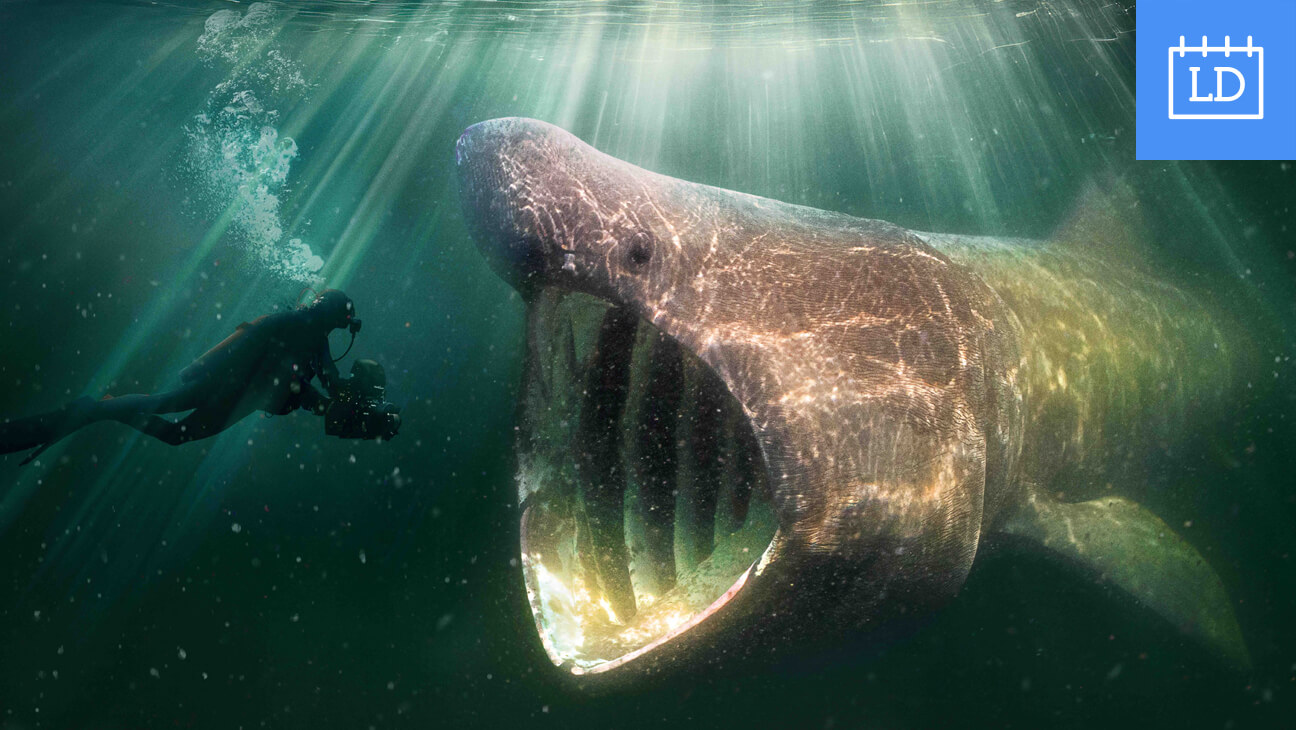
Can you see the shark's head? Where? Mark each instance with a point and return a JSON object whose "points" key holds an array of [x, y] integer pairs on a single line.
{"points": [[740, 415], [549, 210]]}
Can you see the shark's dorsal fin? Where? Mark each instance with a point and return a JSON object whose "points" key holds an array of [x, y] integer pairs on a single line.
{"points": [[1130, 548], [1107, 216]]}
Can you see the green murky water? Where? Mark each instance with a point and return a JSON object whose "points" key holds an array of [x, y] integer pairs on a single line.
{"points": [[168, 170]]}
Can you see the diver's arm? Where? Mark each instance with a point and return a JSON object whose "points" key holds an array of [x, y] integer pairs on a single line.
{"points": [[312, 399]]}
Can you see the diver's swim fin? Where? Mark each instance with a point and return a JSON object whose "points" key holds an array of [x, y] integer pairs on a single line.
{"points": [[1131, 548], [23, 433], [40, 450], [45, 429]]}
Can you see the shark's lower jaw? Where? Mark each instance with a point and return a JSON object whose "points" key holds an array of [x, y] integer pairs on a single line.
{"points": [[645, 505]]}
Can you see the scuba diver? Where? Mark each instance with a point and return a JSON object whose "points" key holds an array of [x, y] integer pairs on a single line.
{"points": [[266, 364]]}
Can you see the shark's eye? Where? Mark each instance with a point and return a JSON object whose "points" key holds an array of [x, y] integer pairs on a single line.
{"points": [[640, 250]]}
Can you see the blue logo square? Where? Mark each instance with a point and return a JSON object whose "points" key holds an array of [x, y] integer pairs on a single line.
{"points": [[1216, 81]]}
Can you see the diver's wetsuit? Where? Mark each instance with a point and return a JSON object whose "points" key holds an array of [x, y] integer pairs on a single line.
{"points": [[222, 387], [267, 365]]}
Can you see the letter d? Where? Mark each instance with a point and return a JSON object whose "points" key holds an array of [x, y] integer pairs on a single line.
{"points": [[1219, 83]]}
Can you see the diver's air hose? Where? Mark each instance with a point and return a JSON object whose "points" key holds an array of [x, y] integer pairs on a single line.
{"points": [[344, 354]]}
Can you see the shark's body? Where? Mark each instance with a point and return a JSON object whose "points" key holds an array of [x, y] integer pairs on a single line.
{"points": [[744, 415]]}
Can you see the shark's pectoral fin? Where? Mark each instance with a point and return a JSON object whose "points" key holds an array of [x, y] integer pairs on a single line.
{"points": [[1132, 549]]}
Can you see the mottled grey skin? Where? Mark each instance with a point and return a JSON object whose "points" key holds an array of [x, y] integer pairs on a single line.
{"points": [[910, 393]]}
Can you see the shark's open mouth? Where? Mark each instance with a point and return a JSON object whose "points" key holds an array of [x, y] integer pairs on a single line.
{"points": [[643, 491]]}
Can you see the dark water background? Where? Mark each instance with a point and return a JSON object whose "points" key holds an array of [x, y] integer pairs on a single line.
{"points": [[273, 577]]}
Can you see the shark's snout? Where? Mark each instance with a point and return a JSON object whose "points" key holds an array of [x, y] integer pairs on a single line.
{"points": [[496, 175], [462, 145], [480, 141]]}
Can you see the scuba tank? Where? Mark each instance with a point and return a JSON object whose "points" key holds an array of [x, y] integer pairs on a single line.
{"points": [[235, 355]]}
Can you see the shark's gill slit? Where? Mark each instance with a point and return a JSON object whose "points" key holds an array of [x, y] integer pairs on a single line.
{"points": [[706, 463], [643, 492], [651, 450], [600, 473]]}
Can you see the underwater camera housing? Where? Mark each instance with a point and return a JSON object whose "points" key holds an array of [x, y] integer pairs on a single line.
{"points": [[359, 409]]}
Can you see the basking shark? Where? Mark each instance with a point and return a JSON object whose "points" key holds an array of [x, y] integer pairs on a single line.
{"points": [[742, 417]]}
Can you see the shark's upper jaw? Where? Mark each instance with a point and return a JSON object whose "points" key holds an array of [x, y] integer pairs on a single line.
{"points": [[645, 505]]}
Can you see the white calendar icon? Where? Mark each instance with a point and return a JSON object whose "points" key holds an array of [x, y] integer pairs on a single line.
{"points": [[1216, 82]]}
